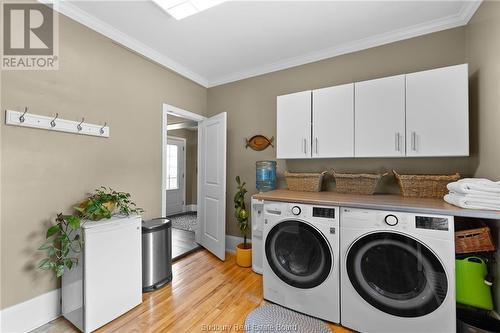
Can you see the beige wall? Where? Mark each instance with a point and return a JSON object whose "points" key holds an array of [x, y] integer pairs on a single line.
{"points": [[191, 137], [251, 108], [483, 50], [44, 172], [483, 55]]}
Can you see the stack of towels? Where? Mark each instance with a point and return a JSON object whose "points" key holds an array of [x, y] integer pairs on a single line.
{"points": [[474, 193]]}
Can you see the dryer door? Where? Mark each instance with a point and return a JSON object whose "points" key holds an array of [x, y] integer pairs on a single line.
{"points": [[298, 254], [396, 274]]}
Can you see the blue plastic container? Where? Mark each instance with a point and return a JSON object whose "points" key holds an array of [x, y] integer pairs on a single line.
{"points": [[265, 176]]}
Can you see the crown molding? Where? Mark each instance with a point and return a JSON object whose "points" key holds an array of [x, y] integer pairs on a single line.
{"points": [[469, 9], [82, 17], [460, 19]]}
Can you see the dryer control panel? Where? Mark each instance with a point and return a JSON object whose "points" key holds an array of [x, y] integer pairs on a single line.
{"points": [[324, 212], [439, 226], [431, 222]]}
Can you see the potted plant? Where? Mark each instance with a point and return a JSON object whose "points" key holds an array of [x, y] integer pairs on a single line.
{"points": [[63, 241], [105, 202], [243, 250]]}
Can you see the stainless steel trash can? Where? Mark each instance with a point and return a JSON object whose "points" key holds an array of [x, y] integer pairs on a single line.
{"points": [[156, 253]]}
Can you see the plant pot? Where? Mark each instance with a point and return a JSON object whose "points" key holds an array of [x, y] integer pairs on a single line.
{"points": [[109, 205], [244, 255]]}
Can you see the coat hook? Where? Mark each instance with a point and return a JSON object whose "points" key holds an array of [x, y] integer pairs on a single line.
{"points": [[102, 128], [21, 118], [53, 122], [79, 126]]}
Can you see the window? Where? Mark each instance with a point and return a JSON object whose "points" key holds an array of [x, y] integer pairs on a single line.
{"points": [[172, 169]]}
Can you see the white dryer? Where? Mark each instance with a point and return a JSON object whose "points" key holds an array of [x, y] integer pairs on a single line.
{"points": [[301, 258], [398, 272]]}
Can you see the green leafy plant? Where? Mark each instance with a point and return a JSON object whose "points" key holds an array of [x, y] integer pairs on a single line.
{"points": [[241, 212], [63, 241], [103, 203]]}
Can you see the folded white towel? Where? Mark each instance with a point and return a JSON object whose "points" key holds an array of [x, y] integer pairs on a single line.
{"points": [[493, 198], [472, 201], [479, 186]]}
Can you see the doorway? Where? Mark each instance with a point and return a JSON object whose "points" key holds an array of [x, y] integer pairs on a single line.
{"points": [[176, 175], [194, 200], [181, 184]]}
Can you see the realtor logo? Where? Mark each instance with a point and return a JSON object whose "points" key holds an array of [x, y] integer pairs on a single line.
{"points": [[30, 39]]}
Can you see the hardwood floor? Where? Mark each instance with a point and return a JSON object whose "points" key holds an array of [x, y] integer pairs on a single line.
{"points": [[183, 243], [204, 291]]}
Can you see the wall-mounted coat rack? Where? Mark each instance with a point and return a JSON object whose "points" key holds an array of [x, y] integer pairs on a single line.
{"points": [[25, 119]]}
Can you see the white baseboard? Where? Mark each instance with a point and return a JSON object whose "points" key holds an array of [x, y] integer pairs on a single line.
{"points": [[232, 241], [31, 314], [191, 208]]}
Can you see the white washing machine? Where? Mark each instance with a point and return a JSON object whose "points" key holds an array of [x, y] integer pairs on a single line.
{"points": [[398, 272], [301, 258]]}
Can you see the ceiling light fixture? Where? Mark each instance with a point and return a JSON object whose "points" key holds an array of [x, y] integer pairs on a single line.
{"points": [[180, 9]]}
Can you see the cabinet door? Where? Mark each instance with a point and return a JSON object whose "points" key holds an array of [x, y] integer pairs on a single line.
{"points": [[112, 270], [293, 125], [333, 122], [379, 122], [437, 112]]}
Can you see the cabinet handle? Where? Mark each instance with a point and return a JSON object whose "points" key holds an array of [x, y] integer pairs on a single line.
{"points": [[414, 141], [316, 139], [396, 141], [305, 146]]}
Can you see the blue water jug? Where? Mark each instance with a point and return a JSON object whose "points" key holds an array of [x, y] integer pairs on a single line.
{"points": [[266, 175]]}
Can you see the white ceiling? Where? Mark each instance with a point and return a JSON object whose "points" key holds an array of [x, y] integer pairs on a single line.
{"points": [[240, 39]]}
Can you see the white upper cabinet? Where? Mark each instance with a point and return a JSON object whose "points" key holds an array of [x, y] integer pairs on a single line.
{"points": [[410, 115], [293, 132], [333, 122], [380, 117], [437, 122]]}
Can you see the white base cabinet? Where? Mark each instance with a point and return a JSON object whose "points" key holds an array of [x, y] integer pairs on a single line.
{"points": [[107, 282]]}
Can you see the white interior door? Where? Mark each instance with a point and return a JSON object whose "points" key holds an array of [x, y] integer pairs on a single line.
{"points": [[175, 175], [212, 184]]}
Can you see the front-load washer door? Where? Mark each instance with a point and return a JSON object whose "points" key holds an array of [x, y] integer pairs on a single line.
{"points": [[298, 254], [396, 274]]}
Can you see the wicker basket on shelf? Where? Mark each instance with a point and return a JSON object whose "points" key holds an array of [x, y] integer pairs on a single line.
{"points": [[425, 186], [302, 181], [474, 236], [356, 183]]}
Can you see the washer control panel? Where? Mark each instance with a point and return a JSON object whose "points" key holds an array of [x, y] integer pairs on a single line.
{"points": [[391, 219], [296, 210]]}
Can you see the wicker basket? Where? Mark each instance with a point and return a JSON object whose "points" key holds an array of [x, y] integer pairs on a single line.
{"points": [[307, 182], [356, 183], [425, 186], [473, 236]]}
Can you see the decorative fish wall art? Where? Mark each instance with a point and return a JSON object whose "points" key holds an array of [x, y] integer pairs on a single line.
{"points": [[259, 142]]}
